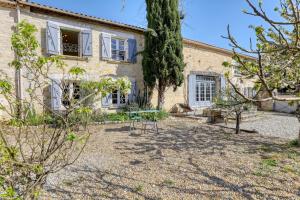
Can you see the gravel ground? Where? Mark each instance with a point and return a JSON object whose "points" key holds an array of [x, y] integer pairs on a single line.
{"points": [[273, 124], [187, 160]]}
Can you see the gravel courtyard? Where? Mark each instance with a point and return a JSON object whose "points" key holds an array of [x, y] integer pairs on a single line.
{"points": [[187, 160], [273, 124]]}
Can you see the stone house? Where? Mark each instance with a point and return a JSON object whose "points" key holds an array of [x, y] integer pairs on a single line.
{"points": [[107, 48]]}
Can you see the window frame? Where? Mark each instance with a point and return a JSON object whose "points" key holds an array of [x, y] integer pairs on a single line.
{"points": [[79, 41], [205, 85], [118, 104], [70, 85], [117, 49]]}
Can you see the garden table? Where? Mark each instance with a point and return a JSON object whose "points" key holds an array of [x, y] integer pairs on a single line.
{"points": [[136, 116]]}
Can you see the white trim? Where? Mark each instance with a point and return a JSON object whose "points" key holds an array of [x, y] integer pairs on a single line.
{"points": [[118, 34], [69, 25]]}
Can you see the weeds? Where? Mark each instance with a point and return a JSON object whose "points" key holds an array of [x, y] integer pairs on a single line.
{"points": [[168, 182], [139, 188]]}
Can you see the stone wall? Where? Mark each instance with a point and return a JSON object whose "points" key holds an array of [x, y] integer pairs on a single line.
{"points": [[197, 57]]}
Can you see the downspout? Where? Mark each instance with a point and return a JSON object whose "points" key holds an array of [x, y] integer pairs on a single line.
{"points": [[18, 73]]}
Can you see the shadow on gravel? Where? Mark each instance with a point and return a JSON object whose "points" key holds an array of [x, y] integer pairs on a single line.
{"points": [[191, 145], [93, 183], [205, 139]]}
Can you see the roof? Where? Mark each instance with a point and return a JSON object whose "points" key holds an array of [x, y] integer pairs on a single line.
{"points": [[115, 24]]}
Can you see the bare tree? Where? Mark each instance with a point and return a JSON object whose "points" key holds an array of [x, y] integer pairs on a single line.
{"points": [[277, 51]]}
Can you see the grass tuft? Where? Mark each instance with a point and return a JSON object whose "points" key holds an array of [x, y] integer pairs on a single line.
{"points": [[138, 188], [168, 182], [269, 163]]}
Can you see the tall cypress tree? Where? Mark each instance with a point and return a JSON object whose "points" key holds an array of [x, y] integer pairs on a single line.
{"points": [[163, 58]]}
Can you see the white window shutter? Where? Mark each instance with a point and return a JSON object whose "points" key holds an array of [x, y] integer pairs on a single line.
{"points": [[86, 43], [53, 38], [192, 90], [106, 46], [56, 94]]}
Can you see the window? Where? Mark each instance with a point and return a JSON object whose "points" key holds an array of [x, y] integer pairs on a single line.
{"points": [[118, 99], [70, 42], [70, 92], [236, 71], [118, 49], [205, 88], [249, 92]]}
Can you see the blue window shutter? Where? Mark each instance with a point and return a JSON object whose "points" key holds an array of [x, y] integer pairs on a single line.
{"points": [[106, 46], [53, 38], [56, 94], [86, 39], [133, 92], [106, 101], [132, 50], [191, 90]]}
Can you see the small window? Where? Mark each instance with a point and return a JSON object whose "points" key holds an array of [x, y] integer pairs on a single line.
{"points": [[118, 49], [70, 42]]}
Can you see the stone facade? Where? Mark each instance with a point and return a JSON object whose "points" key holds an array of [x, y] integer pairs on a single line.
{"points": [[198, 57]]}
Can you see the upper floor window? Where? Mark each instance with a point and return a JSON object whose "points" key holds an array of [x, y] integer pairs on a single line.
{"points": [[68, 40], [70, 43], [236, 71], [118, 49]]}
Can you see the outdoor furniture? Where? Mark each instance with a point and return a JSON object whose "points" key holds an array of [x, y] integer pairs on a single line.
{"points": [[133, 117], [136, 116]]}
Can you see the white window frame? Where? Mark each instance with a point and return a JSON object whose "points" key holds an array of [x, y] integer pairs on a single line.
{"points": [[118, 40], [119, 104], [205, 83]]}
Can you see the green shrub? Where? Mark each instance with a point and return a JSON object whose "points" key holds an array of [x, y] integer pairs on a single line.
{"points": [[161, 115], [294, 143], [120, 117]]}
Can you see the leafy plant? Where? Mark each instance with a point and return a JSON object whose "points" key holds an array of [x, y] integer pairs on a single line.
{"points": [[294, 143]]}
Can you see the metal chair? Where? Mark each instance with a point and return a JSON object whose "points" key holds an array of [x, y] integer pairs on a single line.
{"points": [[133, 117]]}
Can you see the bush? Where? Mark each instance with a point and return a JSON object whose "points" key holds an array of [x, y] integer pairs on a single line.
{"points": [[294, 143], [161, 115]]}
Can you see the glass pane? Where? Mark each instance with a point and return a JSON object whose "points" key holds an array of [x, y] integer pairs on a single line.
{"points": [[76, 91], [121, 55], [213, 90], [114, 54], [202, 92], [115, 97], [122, 99], [113, 44], [208, 92], [197, 92], [121, 45]]}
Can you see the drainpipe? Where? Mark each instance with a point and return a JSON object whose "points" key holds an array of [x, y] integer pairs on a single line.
{"points": [[18, 73]]}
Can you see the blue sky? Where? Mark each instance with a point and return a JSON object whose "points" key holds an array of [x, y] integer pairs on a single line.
{"points": [[205, 21]]}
